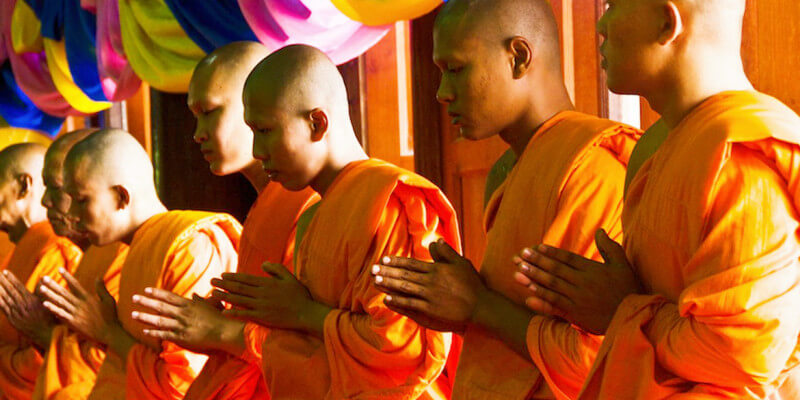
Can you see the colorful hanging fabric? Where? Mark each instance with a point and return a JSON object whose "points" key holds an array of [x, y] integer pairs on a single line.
{"points": [[25, 52], [10, 135], [278, 23], [116, 74], [62, 77], [17, 108], [382, 12], [211, 24], [157, 47]]}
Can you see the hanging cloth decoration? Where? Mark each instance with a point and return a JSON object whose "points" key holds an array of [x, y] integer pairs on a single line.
{"points": [[19, 111], [157, 47], [382, 12], [10, 135], [212, 24], [116, 75], [24, 49], [278, 23]]}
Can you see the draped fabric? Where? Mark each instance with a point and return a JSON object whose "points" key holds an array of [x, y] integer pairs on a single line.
{"points": [[382, 12], [17, 108], [116, 74], [213, 25], [278, 23]]}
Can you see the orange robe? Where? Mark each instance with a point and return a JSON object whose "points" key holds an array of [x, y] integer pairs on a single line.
{"points": [[268, 235], [711, 229], [38, 253], [178, 251], [72, 361], [6, 249], [567, 184], [372, 209]]}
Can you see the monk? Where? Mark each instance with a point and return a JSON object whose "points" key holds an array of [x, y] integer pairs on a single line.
{"points": [[710, 222], [233, 370], [27, 327], [71, 361], [566, 181], [110, 180], [330, 335]]}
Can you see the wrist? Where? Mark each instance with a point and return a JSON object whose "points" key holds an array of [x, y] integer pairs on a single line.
{"points": [[312, 318], [231, 337], [482, 309]]}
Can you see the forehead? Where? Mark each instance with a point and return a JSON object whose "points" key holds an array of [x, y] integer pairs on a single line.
{"points": [[457, 35], [210, 86]]}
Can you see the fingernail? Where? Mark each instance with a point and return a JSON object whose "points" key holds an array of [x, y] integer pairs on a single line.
{"points": [[62, 271], [46, 278], [542, 248], [375, 269], [526, 252], [378, 279], [386, 260], [136, 298], [5, 272], [516, 260], [388, 297], [135, 314], [532, 287], [148, 290], [525, 268]]}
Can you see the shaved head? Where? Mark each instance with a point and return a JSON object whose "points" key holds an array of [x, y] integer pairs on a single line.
{"points": [[109, 177], [21, 188], [296, 104], [215, 99], [54, 199], [499, 20]]}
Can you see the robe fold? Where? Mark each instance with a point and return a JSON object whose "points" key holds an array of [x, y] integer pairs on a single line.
{"points": [[711, 229], [72, 361], [178, 251], [567, 184], [38, 253], [371, 210], [268, 235]]}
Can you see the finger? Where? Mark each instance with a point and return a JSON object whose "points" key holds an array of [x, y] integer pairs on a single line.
{"points": [[238, 288], [103, 293], [565, 257], [17, 286], [235, 299], [245, 279], [160, 307], [405, 263], [4, 306], [406, 302], [522, 279], [13, 295], [446, 251], [240, 314], [60, 299], [546, 280], [276, 270], [163, 335], [399, 273], [157, 321], [415, 315], [435, 256], [540, 306], [610, 250], [210, 301], [166, 296], [74, 286], [400, 286], [531, 262], [59, 312], [553, 298]]}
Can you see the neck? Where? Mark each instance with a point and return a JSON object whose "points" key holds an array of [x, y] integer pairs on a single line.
{"points": [[140, 216], [256, 176], [543, 104], [33, 216], [695, 81], [339, 158]]}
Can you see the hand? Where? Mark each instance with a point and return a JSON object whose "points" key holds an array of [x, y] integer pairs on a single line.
{"points": [[582, 291], [25, 311], [442, 295], [275, 301], [197, 324], [94, 316]]}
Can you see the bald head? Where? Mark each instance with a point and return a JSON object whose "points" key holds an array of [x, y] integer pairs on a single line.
{"points": [[497, 21], [54, 199], [109, 177], [21, 188], [225, 70]]}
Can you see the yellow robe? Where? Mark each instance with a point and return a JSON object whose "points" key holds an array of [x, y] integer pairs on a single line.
{"points": [[567, 184], [178, 251], [711, 229]]}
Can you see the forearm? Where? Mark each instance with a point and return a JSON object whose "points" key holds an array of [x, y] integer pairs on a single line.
{"points": [[121, 343], [41, 338], [312, 320], [504, 320], [232, 339]]}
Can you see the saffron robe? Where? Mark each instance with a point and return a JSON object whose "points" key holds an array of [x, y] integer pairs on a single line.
{"points": [[567, 184], [711, 229], [178, 251], [72, 361], [39, 253], [371, 210], [268, 236]]}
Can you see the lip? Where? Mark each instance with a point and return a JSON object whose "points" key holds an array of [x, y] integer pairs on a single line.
{"points": [[455, 118], [272, 173]]}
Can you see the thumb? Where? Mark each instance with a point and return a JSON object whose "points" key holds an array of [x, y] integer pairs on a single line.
{"points": [[610, 250], [446, 252], [274, 269], [103, 294]]}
